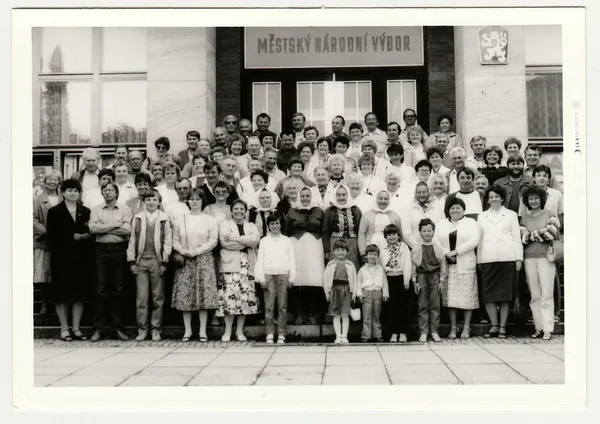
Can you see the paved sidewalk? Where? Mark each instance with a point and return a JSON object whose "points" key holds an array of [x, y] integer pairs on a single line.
{"points": [[172, 363]]}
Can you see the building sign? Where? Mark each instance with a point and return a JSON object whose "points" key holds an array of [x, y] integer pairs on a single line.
{"points": [[493, 45], [332, 47]]}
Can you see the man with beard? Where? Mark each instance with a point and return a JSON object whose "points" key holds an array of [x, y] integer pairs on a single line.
{"points": [[286, 150], [374, 133], [515, 182]]}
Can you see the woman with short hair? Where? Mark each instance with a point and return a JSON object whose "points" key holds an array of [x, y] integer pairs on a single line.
{"points": [[459, 235], [172, 174], [371, 183], [363, 201], [539, 228], [219, 210], [296, 172], [500, 258], [468, 194], [414, 149], [445, 133], [492, 156], [69, 239], [306, 151], [195, 235], [319, 158], [354, 149], [47, 199], [162, 145], [236, 288]]}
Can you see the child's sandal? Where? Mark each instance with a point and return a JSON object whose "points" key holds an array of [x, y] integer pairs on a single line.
{"points": [[502, 332], [65, 335]]}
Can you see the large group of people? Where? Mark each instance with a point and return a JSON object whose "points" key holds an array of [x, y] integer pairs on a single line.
{"points": [[228, 226]]}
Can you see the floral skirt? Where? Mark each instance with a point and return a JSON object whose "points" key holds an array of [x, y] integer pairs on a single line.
{"points": [[41, 266], [461, 290], [237, 292], [195, 284]]}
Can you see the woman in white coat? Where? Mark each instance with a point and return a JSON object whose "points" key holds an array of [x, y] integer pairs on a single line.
{"points": [[500, 257], [459, 235]]}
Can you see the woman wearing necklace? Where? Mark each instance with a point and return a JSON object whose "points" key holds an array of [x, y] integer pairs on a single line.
{"points": [[371, 183], [41, 248], [236, 288], [373, 222], [195, 235], [304, 225], [459, 235], [500, 257], [69, 240], [337, 168], [341, 222]]}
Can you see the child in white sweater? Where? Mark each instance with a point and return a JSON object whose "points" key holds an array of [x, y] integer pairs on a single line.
{"points": [[275, 270], [372, 291]]}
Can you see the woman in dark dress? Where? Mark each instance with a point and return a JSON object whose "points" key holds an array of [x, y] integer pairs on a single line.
{"points": [[303, 225], [492, 156], [341, 222], [69, 238]]}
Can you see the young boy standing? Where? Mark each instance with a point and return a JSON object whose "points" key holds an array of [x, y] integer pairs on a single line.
{"points": [[148, 256], [372, 291], [429, 275], [275, 270]]}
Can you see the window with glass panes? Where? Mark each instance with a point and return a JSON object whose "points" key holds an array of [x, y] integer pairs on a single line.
{"points": [[89, 86], [266, 98], [544, 103], [401, 94]]}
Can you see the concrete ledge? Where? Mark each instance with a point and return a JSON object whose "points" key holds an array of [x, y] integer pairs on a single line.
{"points": [[308, 333]]}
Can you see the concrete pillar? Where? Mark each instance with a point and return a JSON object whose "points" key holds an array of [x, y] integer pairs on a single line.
{"points": [[490, 99], [181, 84]]}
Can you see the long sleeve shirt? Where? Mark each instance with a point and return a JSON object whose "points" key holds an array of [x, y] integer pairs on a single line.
{"points": [[275, 257], [372, 278], [103, 214]]}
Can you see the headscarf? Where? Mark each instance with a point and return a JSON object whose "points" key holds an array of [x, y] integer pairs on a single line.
{"points": [[313, 202], [256, 202], [376, 206], [349, 202]]}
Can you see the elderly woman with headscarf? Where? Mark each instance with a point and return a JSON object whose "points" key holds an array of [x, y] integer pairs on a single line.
{"points": [[48, 198], [341, 222], [374, 222], [304, 225], [357, 197], [263, 204], [459, 235], [290, 198]]}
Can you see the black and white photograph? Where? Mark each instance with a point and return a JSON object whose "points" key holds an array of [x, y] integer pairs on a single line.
{"points": [[300, 204]]}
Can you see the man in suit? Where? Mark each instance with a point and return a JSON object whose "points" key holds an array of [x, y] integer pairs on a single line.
{"points": [[186, 156]]}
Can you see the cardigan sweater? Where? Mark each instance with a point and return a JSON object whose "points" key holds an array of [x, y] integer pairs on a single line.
{"points": [[162, 242], [328, 277], [466, 241], [41, 205], [231, 250]]}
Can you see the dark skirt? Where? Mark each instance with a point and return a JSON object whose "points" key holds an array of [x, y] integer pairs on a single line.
{"points": [[339, 304], [195, 284], [498, 281]]}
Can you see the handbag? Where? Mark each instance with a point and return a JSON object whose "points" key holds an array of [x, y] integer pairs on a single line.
{"points": [[176, 258], [354, 311], [556, 250]]}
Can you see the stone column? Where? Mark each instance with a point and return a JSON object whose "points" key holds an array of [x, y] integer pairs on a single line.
{"points": [[490, 99], [181, 84]]}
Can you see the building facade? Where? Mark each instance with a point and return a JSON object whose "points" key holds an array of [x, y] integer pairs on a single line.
{"points": [[108, 86]]}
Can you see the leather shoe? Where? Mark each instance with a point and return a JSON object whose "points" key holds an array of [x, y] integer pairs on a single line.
{"points": [[96, 337], [122, 336]]}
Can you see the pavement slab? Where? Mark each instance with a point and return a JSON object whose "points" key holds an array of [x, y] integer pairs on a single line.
{"points": [[479, 356], [290, 370], [90, 381], [487, 374], [309, 358], [520, 357], [223, 376], [354, 358], [411, 357], [186, 360], [345, 375], [553, 373], [421, 374], [241, 360], [178, 371], [156, 380], [289, 380]]}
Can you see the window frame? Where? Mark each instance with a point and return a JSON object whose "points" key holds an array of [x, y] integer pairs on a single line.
{"points": [[360, 119], [309, 121], [402, 106], [96, 78], [540, 70], [255, 113]]}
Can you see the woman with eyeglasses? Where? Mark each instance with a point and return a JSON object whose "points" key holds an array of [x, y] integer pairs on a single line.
{"points": [[162, 145]]}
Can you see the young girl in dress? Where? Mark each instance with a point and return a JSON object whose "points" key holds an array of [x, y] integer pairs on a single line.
{"points": [[340, 288]]}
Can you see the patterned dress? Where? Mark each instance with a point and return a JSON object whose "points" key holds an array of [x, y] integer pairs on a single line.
{"points": [[461, 289], [237, 290], [195, 284], [342, 224]]}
